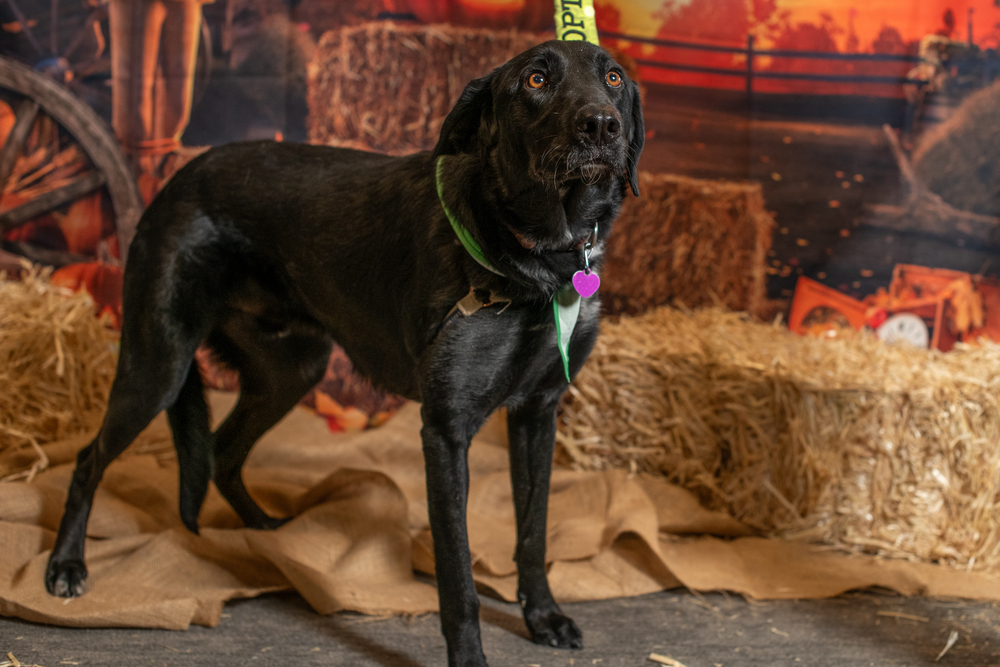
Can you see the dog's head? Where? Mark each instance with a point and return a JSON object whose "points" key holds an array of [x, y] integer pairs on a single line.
{"points": [[560, 111]]}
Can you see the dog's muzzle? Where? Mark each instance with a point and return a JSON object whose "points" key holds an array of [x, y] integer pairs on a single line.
{"points": [[593, 147], [600, 146]]}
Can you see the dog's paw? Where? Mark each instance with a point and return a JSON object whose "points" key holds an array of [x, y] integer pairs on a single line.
{"points": [[66, 580], [552, 628]]}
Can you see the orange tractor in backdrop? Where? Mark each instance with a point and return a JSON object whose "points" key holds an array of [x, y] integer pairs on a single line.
{"points": [[929, 308]]}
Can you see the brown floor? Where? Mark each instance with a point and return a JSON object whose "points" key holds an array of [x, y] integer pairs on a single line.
{"points": [[716, 630]]}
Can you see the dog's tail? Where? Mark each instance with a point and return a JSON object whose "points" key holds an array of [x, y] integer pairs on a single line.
{"points": [[189, 421]]}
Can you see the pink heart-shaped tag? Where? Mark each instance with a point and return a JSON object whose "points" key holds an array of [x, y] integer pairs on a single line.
{"points": [[586, 283]]}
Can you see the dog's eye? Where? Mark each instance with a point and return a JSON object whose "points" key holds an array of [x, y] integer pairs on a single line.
{"points": [[537, 80], [613, 79]]}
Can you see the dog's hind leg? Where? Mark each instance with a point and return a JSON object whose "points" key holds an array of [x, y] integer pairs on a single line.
{"points": [[531, 428], [189, 422], [276, 371], [151, 372]]}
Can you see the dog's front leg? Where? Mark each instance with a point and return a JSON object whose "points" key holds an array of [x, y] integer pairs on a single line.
{"points": [[531, 430], [446, 447]]}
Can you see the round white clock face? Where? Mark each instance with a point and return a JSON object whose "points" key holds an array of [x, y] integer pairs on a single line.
{"points": [[905, 327]]}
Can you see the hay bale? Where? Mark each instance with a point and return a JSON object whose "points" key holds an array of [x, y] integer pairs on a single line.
{"points": [[960, 159], [691, 241], [388, 87], [849, 442], [57, 362]]}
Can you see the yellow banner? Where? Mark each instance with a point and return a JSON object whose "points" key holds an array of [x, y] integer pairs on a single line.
{"points": [[575, 21]]}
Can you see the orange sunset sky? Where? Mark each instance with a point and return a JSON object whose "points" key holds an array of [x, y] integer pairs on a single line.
{"points": [[912, 18]]}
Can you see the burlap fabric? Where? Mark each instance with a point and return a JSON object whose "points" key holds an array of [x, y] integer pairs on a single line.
{"points": [[361, 529]]}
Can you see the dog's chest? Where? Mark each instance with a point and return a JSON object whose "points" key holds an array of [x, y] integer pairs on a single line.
{"points": [[507, 349]]}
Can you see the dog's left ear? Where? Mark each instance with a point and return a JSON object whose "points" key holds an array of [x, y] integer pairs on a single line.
{"points": [[636, 141], [462, 125]]}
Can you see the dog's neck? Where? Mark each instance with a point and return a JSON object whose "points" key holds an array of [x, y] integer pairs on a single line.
{"points": [[530, 233]]}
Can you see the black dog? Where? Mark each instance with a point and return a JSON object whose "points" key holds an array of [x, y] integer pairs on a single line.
{"points": [[269, 252]]}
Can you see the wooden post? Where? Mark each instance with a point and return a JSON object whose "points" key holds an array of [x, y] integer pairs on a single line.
{"points": [[750, 39]]}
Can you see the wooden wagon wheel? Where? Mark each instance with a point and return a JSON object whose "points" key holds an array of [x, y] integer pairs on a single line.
{"points": [[57, 152]]}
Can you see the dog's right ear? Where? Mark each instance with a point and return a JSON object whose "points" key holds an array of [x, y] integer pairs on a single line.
{"points": [[461, 127]]}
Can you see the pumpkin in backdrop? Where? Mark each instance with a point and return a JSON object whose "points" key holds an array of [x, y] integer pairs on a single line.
{"points": [[43, 230], [102, 281], [7, 119], [538, 16], [428, 11], [83, 224], [524, 14], [9, 201]]}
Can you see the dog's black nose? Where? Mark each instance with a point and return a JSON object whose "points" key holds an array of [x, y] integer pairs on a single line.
{"points": [[598, 125]]}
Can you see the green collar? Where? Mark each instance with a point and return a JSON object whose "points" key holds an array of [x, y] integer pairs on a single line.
{"points": [[566, 302], [463, 234]]}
